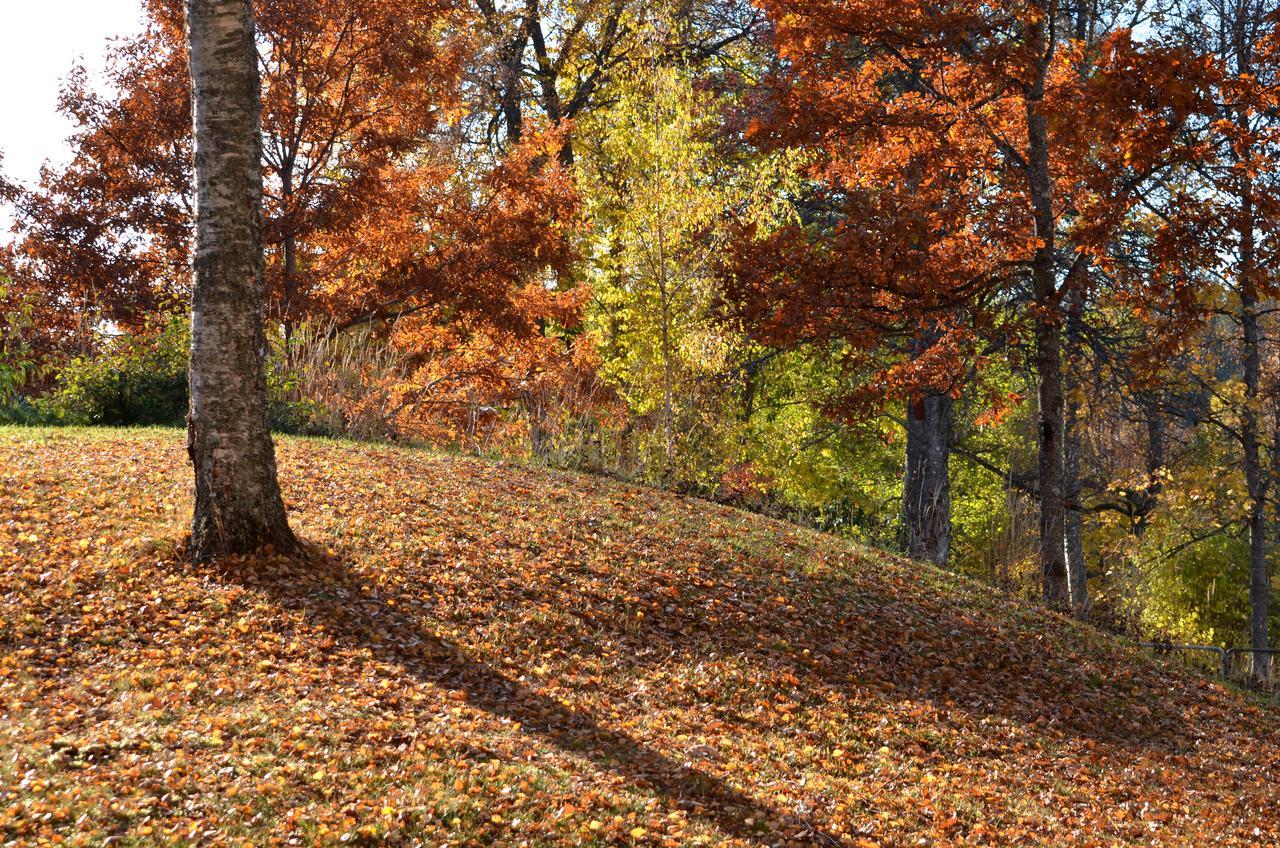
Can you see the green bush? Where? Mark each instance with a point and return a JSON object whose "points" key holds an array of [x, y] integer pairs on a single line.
{"points": [[17, 362], [139, 379], [301, 418]]}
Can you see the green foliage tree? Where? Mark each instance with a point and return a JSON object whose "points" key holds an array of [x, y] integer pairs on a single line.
{"points": [[653, 199], [656, 182], [17, 359]]}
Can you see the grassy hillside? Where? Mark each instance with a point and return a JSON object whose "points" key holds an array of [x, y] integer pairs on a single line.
{"points": [[495, 655]]}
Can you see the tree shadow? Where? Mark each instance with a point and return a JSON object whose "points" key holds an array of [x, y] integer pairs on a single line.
{"points": [[358, 616], [890, 640], [878, 633]]}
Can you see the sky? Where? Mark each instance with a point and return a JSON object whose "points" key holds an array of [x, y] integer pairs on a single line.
{"points": [[40, 41]]}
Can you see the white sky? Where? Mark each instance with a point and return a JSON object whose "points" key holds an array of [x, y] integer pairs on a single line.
{"points": [[40, 41]]}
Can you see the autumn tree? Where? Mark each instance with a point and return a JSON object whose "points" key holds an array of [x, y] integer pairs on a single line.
{"points": [[238, 507], [107, 238], [349, 90], [377, 211], [656, 176], [652, 195], [951, 122], [1229, 203]]}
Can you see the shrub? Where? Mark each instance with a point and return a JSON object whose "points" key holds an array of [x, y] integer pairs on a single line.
{"points": [[17, 361], [334, 383], [138, 379]]}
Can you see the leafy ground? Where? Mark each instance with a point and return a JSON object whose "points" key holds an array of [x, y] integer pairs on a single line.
{"points": [[486, 654]]}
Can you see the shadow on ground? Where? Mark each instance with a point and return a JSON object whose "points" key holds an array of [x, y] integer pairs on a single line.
{"points": [[331, 595]]}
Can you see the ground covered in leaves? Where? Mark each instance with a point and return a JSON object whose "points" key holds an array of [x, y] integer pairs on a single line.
{"points": [[486, 654]]}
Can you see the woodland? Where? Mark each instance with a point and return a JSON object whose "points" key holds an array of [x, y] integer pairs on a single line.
{"points": [[988, 283], [835, 390], [938, 341]]}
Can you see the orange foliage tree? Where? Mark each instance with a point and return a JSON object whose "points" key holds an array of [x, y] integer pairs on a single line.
{"points": [[973, 160], [376, 209]]}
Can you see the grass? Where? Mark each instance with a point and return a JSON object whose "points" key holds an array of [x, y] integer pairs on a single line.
{"points": [[482, 654]]}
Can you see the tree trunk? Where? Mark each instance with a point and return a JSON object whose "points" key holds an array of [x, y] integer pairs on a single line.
{"points": [[290, 271], [1048, 337], [1074, 519], [1255, 482], [664, 296], [1074, 526], [1053, 560], [1153, 406], [926, 485], [510, 60], [238, 508]]}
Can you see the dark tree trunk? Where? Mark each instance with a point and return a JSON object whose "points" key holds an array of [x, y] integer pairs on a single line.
{"points": [[1154, 412], [926, 485], [1074, 526], [1074, 519], [548, 80], [238, 508], [1256, 481], [1053, 560], [509, 65], [1048, 336], [290, 270]]}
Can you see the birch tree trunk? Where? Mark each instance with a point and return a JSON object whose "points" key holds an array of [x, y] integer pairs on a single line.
{"points": [[238, 508]]}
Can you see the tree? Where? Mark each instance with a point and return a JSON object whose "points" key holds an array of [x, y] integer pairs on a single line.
{"points": [[970, 155], [238, 506], [926, 478], [1232, 209], [378, 212], [655, 179], [650, 189]]}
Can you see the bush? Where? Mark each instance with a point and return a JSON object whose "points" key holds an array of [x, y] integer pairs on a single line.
{"points": [[333, 384], [17, 361], [139, 379]]}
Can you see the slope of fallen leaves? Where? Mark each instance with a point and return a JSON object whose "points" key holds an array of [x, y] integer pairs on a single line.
{"points": [[482, 654]]}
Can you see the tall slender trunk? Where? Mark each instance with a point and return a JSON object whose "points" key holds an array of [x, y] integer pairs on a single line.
{"points": [[1071, 447], [668, 412], [664, 295], [1048, 336], [1274, 487], [238, 507], [290, 271], [1073, 528], [1155, 458], [926, 485], [1256, 480]]}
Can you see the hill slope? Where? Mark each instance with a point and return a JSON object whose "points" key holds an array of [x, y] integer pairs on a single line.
{"points": [[496, 655]]}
